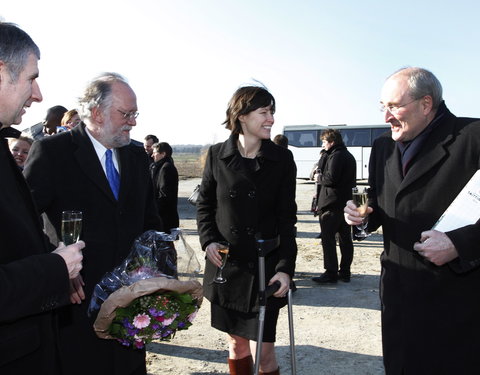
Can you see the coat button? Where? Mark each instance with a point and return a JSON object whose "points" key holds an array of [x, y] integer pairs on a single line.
{"points": [[234, 230], [252, 194], [250, 231], [233, 193]]}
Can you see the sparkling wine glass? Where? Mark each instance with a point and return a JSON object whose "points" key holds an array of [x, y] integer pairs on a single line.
{"points": [[360, 199], [71, 226], [223, 250]]}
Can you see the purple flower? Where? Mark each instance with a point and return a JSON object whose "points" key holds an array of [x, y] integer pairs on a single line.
{"points": [[181, 325]]}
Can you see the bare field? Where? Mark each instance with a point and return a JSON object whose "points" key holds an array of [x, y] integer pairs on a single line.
{"points": [[189, 165]]}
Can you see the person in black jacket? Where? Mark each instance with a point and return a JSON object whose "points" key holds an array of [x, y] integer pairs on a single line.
{"points": [[248, 189], [115, 211], [165, 182], [430, 278], [33, 280], [336, 180]]}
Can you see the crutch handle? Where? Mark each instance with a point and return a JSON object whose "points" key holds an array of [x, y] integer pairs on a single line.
{"points": [[271, 289]]}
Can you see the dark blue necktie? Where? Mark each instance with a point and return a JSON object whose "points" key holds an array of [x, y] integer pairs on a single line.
{"points": [[112, 173]]}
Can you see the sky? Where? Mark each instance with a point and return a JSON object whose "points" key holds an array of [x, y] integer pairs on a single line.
{"points": [[323, 61]]}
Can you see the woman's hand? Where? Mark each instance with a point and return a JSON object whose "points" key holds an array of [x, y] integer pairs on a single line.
{"points": [[213, 255], [284, 279]]}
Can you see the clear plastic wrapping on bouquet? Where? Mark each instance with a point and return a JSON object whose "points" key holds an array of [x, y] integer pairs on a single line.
{"points": [[153, 254]]}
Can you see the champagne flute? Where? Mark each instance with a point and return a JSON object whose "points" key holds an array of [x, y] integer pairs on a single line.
{"points": [[223, 249], [360, 199], [71, 226]]}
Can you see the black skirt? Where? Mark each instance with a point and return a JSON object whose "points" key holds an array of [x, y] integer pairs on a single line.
{"points": [[244, 324]]}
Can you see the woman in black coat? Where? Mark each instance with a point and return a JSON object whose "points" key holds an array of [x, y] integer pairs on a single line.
{"points": [[165, 182], [248, 189]]}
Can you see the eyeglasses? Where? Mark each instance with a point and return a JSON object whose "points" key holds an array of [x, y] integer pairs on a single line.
{"points": [[392, 108], [129, 115]]}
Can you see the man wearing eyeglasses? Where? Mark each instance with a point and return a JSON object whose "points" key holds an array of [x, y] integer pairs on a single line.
{"points": [[430, 280], [94, 168]]}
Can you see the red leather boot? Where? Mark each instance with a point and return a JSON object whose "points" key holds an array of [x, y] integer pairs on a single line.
{"points": [[242, 366]]}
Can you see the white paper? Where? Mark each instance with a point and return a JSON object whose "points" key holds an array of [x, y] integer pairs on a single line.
{"points": [[465, 208]]}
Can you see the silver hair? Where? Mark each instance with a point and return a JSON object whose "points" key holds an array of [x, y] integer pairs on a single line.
{"points": [[98, 94], [15, 48], [422, 82]]}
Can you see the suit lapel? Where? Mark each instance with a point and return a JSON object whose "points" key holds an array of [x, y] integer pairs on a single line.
{"points": [[394, 169], [126, 166], [88, 161]]}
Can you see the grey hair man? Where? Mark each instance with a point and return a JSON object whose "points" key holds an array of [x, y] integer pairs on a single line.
{"points": [[34, 280], [430, 278], [106, 177]]}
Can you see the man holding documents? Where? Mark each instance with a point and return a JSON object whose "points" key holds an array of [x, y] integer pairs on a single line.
{"points": [[430, 283]]}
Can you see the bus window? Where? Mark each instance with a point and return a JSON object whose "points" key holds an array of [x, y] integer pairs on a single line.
{"points": [[302, 138], [356, 137], [378, 132]]}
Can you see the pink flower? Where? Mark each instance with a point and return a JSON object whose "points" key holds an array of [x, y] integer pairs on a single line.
{"points": [[192, 316], [169, 321], [141, 321]]}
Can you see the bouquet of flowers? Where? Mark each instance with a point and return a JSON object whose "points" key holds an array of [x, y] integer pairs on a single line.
{"points": [[142, 299]]}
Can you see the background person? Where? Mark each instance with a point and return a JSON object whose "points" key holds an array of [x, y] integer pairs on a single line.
{"points": [[70, 119], [148, 142], [336, 180], [106, 178], [20, 147], [281, 140], [34, 281], [165, 182], [430, 279], [248, 187], [48, 126]]}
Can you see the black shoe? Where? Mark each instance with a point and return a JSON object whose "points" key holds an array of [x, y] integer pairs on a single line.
{"points": [[319, 235], [325, 278], [344, 276]]}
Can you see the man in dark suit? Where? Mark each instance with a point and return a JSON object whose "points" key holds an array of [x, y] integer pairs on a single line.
{"points": [[33, 280], [430, 279], [95, 169]]}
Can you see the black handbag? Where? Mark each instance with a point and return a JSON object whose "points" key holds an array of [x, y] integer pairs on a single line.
{"points": [[192, 199]]}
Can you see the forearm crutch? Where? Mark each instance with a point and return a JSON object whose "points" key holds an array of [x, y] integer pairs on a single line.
{"points": [[264, 247]]}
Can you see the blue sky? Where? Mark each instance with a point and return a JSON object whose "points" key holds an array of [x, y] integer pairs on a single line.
{"points": [[324, 61]]}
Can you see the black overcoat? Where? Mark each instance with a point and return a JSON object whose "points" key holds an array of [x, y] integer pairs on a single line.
{"points": [[430, 314], [165, 184], [64, 173], [337, 179], [234, 205], [32, 281]]}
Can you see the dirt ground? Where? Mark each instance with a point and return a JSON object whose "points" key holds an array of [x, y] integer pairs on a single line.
{"points": [[337, 327]]}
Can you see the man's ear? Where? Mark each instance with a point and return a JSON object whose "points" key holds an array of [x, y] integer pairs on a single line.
{"points": [[97, 115], [3, 72], [427, 103]]}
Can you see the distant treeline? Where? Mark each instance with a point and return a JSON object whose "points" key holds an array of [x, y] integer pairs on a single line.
{"points": [[188, 149]]}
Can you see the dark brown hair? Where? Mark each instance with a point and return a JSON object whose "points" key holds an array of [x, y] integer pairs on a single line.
{"points": [[245, 100]]}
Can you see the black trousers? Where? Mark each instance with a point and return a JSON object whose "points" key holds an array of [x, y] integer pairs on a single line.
{"points": [[331, 223]]}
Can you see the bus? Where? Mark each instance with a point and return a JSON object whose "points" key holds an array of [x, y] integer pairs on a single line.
{"points": [[305, 143]]}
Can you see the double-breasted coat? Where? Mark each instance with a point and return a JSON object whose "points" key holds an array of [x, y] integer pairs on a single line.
{"points": [[32, 281], [430, 314], [234, 205], [64, 173]]}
